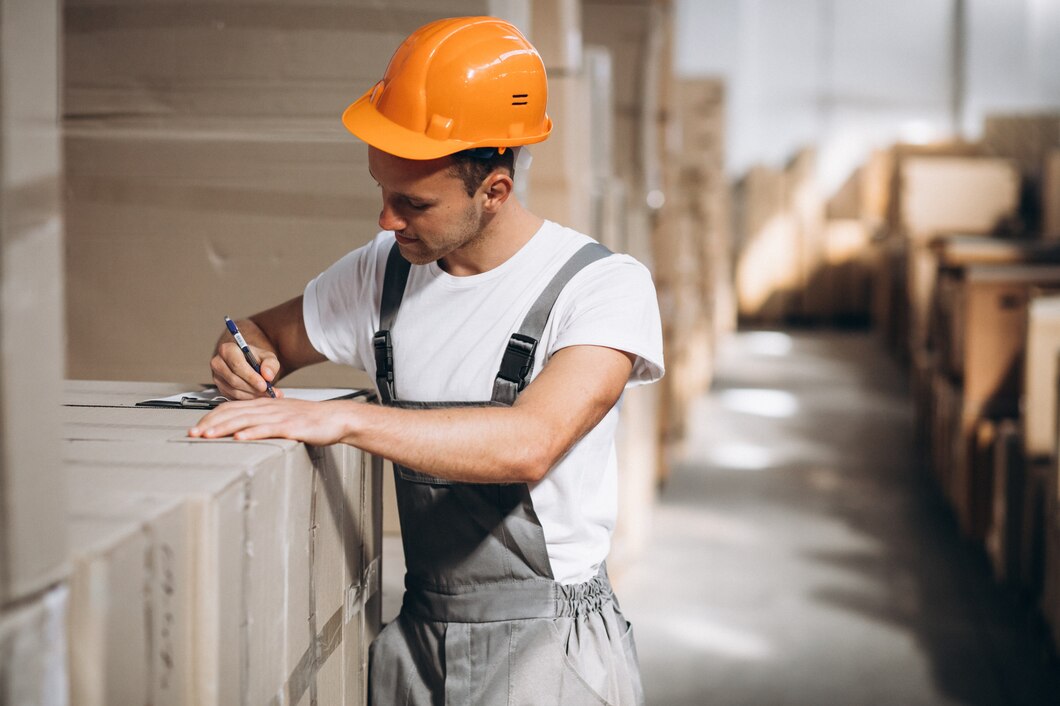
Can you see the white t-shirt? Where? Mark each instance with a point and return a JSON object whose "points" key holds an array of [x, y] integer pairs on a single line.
{"points": [[449, 336]]}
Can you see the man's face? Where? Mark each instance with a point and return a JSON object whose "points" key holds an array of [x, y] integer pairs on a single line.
{"points": [[425, 205]]}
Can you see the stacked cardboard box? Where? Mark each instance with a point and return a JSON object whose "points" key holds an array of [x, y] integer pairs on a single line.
{"points": [[208, 172], [625, 60], [214, 572], [32, 513], [1027, 140], [33, 651], [1051, 196], [985, 360], [766, 272], [947, 195]]}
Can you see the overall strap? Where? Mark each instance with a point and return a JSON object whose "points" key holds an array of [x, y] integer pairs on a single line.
{"points": [[395, 277], [518, 360]]}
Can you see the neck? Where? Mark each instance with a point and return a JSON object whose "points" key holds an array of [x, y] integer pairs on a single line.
{"points": [[502, 235]]}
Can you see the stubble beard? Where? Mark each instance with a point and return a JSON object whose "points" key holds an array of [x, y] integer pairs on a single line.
{"points": [[467, 232]]}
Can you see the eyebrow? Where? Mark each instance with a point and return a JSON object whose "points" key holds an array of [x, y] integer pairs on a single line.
{"points": [[407, 197]]}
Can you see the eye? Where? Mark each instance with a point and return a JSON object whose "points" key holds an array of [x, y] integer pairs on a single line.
{"points": [[417, 205]]}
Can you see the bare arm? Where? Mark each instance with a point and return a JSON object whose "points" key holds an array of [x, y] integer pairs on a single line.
{"points": [[277, 337], [572, 394]]}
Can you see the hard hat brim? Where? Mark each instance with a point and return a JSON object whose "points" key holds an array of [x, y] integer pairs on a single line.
{"points": [[363, 120]]}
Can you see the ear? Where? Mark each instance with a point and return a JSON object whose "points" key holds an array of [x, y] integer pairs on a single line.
{"points": [[496, 188]]}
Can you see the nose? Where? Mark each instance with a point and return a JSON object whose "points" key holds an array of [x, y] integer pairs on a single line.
{"points": [[389, 218]]}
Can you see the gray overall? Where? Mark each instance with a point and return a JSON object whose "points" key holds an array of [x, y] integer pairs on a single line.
{"points": [[482, 620]]}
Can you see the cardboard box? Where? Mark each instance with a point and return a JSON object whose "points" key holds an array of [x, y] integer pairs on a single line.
{"points": [[1040, 366], [561, 177], [1051, 196], [767, 274], [285, 60], [634, 35], [201, 224], [956, 195], [1005, 528], [993, 315], [1024, 138], [845, 279], [32, 540], [130, 609], [33, 651], [556, 33], [285, 538]]}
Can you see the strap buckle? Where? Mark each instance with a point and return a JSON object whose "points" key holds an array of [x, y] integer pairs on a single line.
{"points": [[384, 361], [518, 359]]}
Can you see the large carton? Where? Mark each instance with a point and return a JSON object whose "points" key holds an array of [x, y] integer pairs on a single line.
{"points": [[1005, 526], [32, 540], [767, 271], [988, 352], [556, 33], [1051, 196], [285, 545], [208, 168], [130, 597], [562, 175], [1039, 399], [33, 651], [280, 60], [200, 225], [634, 34], [845, 280], [948, 195]]}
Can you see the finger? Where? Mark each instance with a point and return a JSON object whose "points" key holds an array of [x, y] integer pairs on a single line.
{"points": [[214, 422], [234, 421], [270, 365], [228, 383], [263, 431], [245, 377]]}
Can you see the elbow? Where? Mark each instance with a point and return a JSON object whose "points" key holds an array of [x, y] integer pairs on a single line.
{"points": [[531, 463]]}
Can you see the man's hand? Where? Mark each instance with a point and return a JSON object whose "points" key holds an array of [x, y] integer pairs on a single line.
{"points": [[232, 374], [279, 341], [317, 423]]}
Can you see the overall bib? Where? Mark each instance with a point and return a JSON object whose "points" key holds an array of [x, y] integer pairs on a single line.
{"points": [[482, 620]]}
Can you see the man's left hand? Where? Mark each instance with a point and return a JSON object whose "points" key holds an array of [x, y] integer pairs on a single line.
{"points": [[316, 423]]}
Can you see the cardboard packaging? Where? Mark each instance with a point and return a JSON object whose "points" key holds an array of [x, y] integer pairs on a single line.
{"points": [[845, 281], [948, 195], [200, 225], [32, 539], [556, 33], [285, 60], [1051, 196], [284, 541], [767, 274], [1004, 533], [562, 175], [33, 651], [956, 194], [1040, 366], [988, 355], [130, 597]]}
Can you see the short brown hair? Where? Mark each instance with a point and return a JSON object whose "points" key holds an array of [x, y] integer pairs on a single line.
{"points": [[472, 166]]}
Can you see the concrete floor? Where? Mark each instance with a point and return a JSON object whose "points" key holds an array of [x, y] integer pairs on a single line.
{"points": [[801, 556]]}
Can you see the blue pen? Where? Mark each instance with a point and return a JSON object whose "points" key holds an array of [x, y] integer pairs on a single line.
{"points": [[242, 343]]}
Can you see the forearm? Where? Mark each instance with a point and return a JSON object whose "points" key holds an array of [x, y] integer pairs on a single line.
{"points": [[473, 444]]}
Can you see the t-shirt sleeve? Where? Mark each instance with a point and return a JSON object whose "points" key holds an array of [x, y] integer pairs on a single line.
{"points": [[339, 306], [613, 303]]}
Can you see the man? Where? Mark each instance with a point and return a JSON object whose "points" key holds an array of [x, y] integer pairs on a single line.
{"points": [[506, 480]]}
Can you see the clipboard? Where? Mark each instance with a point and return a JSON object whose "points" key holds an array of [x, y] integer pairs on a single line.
{"points": [[208, 397]]}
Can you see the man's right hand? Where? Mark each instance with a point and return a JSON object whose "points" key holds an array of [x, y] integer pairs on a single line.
{"points": [[233, 375]]}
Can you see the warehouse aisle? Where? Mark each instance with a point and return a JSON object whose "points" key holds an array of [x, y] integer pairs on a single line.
{"points": [[800, 557]]}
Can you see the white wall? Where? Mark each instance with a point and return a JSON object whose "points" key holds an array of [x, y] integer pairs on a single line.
{"points": [[849, 75]]}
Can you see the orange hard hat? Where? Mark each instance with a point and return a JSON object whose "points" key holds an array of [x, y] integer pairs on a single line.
{"points": [[455, 84]]}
